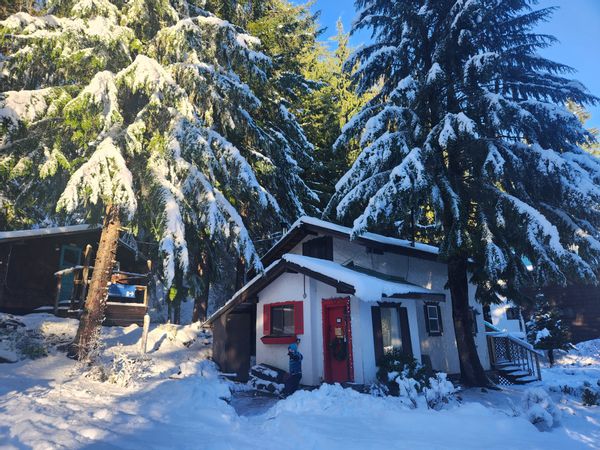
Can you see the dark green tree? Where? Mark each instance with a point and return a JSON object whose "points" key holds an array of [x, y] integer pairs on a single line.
{"points": [[151, 112], [545, 328], [468, 137]]}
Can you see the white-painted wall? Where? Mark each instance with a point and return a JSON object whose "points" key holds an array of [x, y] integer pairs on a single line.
{"points": [[429, 274], [290, 287], [499, 319]]}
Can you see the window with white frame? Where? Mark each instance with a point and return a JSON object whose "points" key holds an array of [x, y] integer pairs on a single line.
{"points": [[433, 319]]}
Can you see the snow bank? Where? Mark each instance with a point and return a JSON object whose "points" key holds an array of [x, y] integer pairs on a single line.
{"points": [[183, 403]]}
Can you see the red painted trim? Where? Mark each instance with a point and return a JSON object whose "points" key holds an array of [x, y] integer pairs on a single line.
{"points": [[278, 339], [298, 321], [299, 317], [266, 319], [330, 303]]}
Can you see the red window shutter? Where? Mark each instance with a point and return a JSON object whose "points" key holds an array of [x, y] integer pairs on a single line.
{"points": [[299, 317], [266, 320]]}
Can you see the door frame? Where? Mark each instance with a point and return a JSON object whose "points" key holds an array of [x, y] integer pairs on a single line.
{"points": [[326, 305]]}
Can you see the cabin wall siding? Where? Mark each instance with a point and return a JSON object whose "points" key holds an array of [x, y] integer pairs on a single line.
{"points": [[580, 308], [27, 268]]}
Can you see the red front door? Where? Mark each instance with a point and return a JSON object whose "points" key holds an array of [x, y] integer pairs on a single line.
{"points": [[337, 340]]}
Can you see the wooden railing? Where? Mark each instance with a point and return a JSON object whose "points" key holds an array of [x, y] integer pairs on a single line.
{"points": [[82, 276], [508, 350]]}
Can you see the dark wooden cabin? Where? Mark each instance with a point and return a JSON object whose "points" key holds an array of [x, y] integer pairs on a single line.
{"points": [[580, 308], [29, 260]]}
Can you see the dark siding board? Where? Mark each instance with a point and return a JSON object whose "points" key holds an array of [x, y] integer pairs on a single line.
{"points": [[580, 306], [377, 333], [232, 347], [321, 248]]}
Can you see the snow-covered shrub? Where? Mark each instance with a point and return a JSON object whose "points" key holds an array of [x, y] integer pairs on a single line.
{"points": [[31, 346], [126, 370], [396, 365], [539, 408], [96, 373], [545, 330], [408, 388], [590, 397], [440, 391], [378, 390]]}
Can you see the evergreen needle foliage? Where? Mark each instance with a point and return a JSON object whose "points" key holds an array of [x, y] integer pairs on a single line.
{"points": [[158, 107], [468, 143]]}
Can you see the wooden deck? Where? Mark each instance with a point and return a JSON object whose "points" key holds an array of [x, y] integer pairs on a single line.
{"points": [[120, 311]]}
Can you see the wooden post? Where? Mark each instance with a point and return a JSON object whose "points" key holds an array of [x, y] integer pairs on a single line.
{"points": [[537, 366], [87, 256], [77, 286], [57, 297], [144, 342]]}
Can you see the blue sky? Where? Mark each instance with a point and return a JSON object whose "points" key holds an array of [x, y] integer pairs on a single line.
{"points": [[576, 24]]}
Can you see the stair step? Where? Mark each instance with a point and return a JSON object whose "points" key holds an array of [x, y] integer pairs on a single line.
{"points": [[518, 373], [510, 368], [505, 364], [525, 380]]}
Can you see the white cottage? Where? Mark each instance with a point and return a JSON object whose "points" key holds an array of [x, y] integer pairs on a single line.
{"points": [[348, 301]]}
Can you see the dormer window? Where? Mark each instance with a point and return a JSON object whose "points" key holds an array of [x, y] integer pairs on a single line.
{"points": [[321, 247]]}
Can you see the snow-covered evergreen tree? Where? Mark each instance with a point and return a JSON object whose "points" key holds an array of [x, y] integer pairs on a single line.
{"points": [[154, 107], [468, 138], [157, 107], [545, 328]]}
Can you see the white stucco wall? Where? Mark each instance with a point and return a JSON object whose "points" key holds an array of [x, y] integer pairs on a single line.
{"points": [[499, 320], [429, 274], [290, 287]]}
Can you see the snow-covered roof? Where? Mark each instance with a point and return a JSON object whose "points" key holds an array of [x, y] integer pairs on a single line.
{"points": [[43, 232], [368, 287], [369, 238], [367, 235]]}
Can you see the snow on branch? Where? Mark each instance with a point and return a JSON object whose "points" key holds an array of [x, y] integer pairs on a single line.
{"points": [[544, 240], [405, 181], [104, 177]]}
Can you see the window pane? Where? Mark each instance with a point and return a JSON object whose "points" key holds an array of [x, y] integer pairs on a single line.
{"points": [[512, 314], [282, 320], [390, 329], [434, 326], [288, 320], [432, 312]]}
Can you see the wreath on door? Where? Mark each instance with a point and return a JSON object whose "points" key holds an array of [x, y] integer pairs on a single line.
{"points": [[339, 349]]}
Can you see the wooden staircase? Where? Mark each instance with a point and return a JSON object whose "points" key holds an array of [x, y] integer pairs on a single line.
{"points": [[514, 360]]}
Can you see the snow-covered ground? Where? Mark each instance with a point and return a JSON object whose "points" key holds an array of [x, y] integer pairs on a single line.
{"points": [[180, 401]]}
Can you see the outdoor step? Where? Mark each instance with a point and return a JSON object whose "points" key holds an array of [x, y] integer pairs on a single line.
{"points": [[525, 380], [517, 373], [511, 368]]}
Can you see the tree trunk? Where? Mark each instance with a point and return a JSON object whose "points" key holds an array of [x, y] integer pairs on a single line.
{"points": [[551, 357], [240, 274], [95, 303], [201, 299], [472, 373], [177, 311], [201, 303]]}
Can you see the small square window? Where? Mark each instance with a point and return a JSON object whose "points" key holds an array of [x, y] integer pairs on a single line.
{"points": [[282, 320], [512, 314]]}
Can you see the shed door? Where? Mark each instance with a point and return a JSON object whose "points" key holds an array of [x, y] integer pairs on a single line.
{"points": [[70, 255]]}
